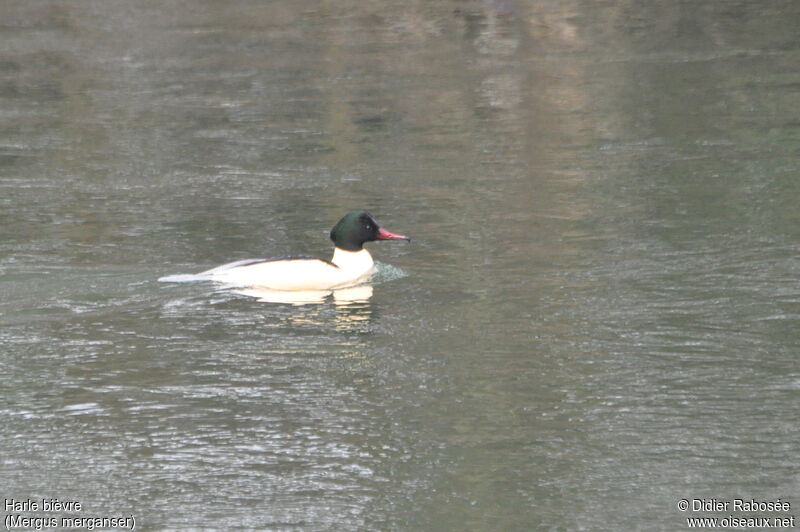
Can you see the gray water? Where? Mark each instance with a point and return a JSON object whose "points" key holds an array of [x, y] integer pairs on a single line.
{"points": [[598, 316]]}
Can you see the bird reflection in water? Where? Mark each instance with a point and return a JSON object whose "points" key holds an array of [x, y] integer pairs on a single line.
{"points": [[342, 296], [353, 313]]}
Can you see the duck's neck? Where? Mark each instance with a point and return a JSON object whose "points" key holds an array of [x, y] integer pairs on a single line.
{"points": [[359, 260]]}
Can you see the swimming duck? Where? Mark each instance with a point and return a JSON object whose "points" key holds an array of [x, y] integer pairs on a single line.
{"points": [[350, 263]]}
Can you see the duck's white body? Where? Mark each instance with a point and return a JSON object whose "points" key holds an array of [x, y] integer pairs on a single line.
{"points": [[346, 268]]}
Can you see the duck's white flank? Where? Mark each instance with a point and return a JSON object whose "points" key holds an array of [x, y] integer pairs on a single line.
{"points": [[345, 268]]}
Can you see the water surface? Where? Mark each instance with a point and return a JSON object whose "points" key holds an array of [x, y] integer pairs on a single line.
{"points": [[601, 309]]}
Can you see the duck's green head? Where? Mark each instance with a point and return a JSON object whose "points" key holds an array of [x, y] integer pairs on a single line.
{"points": [[358, 227]]}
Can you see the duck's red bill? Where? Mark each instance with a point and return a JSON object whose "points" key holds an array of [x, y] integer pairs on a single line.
{"points": [[383, 234]]}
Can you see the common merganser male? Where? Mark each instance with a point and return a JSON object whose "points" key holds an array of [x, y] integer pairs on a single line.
{"points": [[350, 263]]}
